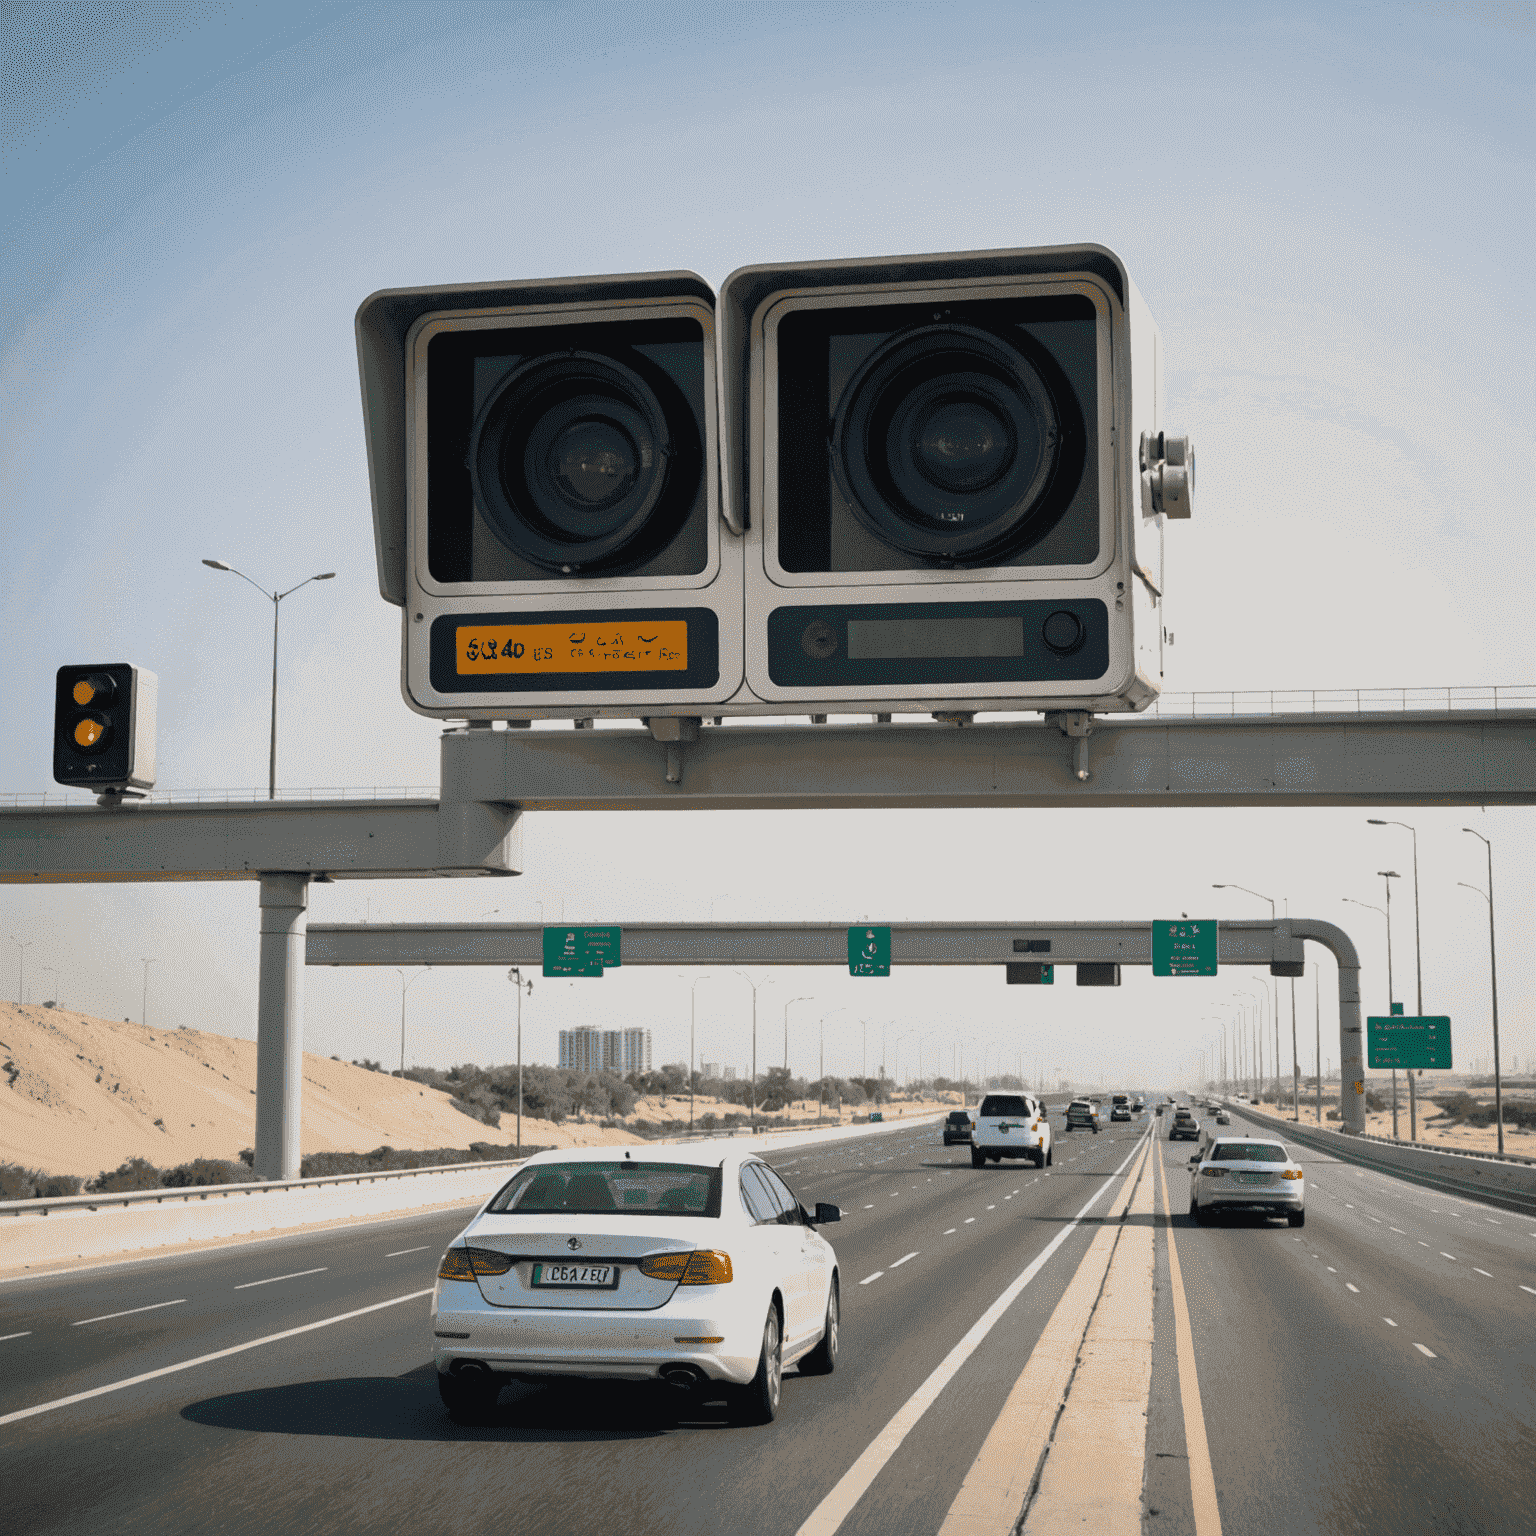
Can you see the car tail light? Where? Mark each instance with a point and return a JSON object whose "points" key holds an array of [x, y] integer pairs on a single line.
{"points": [[1213, 1173], [468, 1263], [704, 1266]]}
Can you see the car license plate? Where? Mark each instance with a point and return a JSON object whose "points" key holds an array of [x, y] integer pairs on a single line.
{"points": [[1253, 1178], [597, 1276]]}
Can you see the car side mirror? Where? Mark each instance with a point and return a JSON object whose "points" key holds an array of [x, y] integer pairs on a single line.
{"points": [[826, 1212]]}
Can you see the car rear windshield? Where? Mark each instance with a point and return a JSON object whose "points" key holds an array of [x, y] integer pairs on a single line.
{"points": [[1122, 1098], [1004, 1104], [1247, 1152], [958, 1117], [625, 1188]]}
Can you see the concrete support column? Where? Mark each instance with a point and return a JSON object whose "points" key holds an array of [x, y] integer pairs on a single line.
{"points": [[280, 1025], [1351, 1034]]}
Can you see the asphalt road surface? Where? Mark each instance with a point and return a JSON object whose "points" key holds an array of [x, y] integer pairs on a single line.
{"points": [[1373, 1372]]}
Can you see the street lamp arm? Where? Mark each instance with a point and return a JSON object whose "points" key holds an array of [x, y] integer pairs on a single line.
{"points": [[323, 576], [1480, 891], [1244, 889], [220, 565]]}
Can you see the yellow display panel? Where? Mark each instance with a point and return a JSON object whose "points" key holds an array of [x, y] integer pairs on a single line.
{"points": [[655, 645]]}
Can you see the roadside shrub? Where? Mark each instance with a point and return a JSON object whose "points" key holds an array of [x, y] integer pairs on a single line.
{"points": [[204, 1170], [18, 1183], [134, 1173]]}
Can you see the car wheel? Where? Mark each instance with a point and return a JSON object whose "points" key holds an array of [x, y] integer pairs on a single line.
{"points": [[1296, 1218], [468, 1398], [978, 1157], [822, 1360], [1204, 1217], [996, 1157], [758, 1402]]}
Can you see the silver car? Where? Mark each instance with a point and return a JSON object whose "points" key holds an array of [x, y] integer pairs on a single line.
{"points": [[1241, 1173], [695, 1266]]}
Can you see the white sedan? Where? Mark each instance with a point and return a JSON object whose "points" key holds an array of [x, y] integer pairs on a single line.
{"points": [[696, 1266], [1232, 1173]]}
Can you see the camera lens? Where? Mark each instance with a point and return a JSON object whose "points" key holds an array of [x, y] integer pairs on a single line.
{"points": [[579, 463], [946, 443]]}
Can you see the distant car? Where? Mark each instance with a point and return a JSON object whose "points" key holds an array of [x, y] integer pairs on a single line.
{"points": [[684, 1266], [957, 1127], [1223, 1118], [1120, 1107], [1083, 1115], [1237, 1173], [1161, 1108], [1010, 1125], [1185, 1127], [1139, 1106]]}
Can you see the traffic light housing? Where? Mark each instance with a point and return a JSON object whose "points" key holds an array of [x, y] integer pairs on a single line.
{"points": [[104, 727], [953, 478], [545, 472]]}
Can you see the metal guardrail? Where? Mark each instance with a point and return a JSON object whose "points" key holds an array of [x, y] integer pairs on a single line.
{"points": [[44, 798], [1360, 1149], [46, 1204], [1270, 702]]}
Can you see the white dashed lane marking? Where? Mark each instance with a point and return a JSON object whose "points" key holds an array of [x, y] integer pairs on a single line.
{"points": [[1481, 1271], [1450, 1256], [1528, 1288], [903, 1259], [400, 1251], [950, 1231], [107, 1317], [1428, 1354], [870, 1279], [298, 1274], [1354, 1288], [27, 1334], [968, 1220], [1388, 1321]]}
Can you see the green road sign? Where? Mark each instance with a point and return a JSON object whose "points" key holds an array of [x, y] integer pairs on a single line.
{"points": [[1184, 947], [1407, 1042], [581, 951], [869, 951]]}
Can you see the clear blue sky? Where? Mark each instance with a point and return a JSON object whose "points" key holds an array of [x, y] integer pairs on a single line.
{"points": [[1328, 209]]}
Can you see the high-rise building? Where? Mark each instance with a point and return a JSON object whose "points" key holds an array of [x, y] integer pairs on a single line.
{"points": [[581, 1049], [710, 1069], [590, 1049]]}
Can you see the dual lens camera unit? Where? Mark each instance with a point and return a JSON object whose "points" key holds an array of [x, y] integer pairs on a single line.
{"points": [[916, 484]]}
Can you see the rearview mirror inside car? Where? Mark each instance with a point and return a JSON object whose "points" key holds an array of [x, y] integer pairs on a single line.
{"points": [[826, 1212]]}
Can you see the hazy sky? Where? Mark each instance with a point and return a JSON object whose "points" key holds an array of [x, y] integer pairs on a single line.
{"points": [[1327, 207]]}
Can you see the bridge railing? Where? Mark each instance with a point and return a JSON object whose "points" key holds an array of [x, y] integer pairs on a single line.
{"points": [[1211, 704]]}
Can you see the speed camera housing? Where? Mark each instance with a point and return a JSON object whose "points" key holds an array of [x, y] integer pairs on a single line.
{"points": [[939, 462], [545, 474]]}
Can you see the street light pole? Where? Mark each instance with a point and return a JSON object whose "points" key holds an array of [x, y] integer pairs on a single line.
{"points": [[405, 986], [144, 1000], [21, 968], [787, 1006], [275, 599], [753, 985], [1387, 913], [1317, 1060], [693, 1021], [515, 976], [1493, 972], [1388, 876]]}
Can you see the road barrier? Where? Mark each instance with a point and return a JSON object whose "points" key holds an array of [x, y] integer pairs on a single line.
{"points": [[1506, 1182], [46, 1231]]}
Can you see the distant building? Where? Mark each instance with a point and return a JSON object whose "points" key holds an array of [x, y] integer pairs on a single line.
{"points": [[710, 1069], [590, 1049], [730, 1074]]}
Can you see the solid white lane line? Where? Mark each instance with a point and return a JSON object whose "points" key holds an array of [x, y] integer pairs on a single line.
{"points": [[1428, 1354], [1388, 1321], [829, 1515], [899, 1262], [398, 1251], [27, 1334], [218, 1354], [870, 1279], [298, 1274], [107, 1317]]}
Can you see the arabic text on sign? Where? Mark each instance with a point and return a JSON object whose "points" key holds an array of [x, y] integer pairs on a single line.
{"points": [[660, 645]]}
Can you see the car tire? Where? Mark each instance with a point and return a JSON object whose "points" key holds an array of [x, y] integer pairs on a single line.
{"points": [[1095, 1130], [758, 1401], [467, 1400], [1204, 1217], [996, 1157], [822, 1360], [978, 1157], [1050, 1154], [1296, 1218]]}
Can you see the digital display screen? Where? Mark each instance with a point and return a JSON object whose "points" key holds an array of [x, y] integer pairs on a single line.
{"points": [[921, 639], [646, 645]]}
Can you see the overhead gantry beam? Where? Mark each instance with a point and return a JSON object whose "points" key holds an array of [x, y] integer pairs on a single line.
{"points": [[1427, 758], [1279, 945]]}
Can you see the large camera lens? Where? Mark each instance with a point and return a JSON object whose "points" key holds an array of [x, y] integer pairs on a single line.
{"points": [[578, 464], [946, 443]]}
